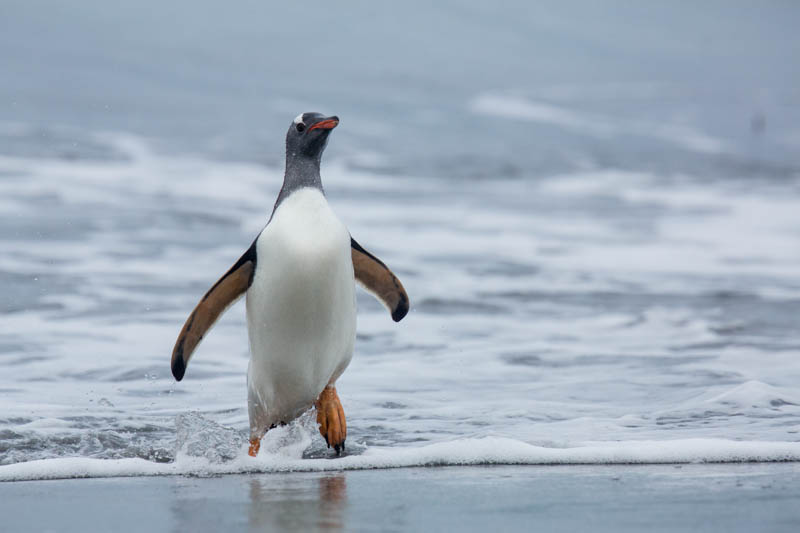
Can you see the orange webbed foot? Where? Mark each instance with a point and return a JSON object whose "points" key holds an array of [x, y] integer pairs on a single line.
{"points": [[255, 445], [331, 420]]}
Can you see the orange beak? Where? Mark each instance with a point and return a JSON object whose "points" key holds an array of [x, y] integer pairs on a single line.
{"points": [[327, 124]]}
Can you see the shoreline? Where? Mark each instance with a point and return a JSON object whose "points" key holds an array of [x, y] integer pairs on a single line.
{"points": [[476, 452]]}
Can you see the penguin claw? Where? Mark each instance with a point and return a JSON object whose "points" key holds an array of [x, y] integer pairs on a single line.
{"points": [[339, 448]]}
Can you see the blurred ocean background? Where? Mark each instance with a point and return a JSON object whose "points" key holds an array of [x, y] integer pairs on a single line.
{"points": [[594, 207]]}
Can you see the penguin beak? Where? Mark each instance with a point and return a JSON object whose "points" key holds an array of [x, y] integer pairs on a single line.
{"points": [[325, 124]]}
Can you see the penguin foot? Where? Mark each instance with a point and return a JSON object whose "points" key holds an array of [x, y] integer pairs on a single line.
{"points": [[330, 417], [255, 445]]}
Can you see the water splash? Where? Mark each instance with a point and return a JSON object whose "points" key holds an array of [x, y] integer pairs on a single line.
{"points": [[198, 436]]}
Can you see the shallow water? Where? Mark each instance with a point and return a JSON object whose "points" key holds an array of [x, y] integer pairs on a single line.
{"points": [[601, 269], [742, 497]]}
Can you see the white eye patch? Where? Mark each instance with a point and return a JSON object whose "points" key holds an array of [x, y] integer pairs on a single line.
{"points": [[298, 119]]}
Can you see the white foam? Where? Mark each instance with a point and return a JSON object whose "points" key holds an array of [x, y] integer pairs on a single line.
{"points": [[476, 451], [755, 395], [516, 108]]}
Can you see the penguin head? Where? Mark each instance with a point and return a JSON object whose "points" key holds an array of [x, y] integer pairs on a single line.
{"points": [[308, 135]]}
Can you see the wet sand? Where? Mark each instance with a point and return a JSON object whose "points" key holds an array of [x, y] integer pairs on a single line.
{"points": [[724, 497]]}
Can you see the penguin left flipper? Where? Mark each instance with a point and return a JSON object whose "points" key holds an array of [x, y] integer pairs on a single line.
{"points": [[376, 278], [216, 301]]}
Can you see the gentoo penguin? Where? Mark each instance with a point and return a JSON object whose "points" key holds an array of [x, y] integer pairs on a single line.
{"points": [[299, 276]]}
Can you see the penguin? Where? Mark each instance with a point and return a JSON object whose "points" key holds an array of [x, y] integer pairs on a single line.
{"points": [[298, 278]]}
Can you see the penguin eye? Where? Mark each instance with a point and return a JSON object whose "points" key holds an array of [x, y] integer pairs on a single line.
{"points": [[300, 127]]}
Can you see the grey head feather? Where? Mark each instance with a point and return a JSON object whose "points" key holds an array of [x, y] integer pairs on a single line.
{"points": [[305, 142]]}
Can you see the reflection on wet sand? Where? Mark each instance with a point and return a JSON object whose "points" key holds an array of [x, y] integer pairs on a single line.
{"points": [[291, 503]]}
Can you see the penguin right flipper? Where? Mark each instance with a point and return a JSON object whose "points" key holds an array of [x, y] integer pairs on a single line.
{"points": [[376, 278], [216, 301]]}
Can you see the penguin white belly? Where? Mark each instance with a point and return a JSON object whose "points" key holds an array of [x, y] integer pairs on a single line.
{"points": [[301, 310]]}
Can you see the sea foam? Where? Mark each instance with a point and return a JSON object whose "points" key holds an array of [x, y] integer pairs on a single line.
{"points": [[479, 451]]}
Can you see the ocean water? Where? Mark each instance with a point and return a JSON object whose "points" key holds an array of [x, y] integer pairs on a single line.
{"points": [[599, 233]]}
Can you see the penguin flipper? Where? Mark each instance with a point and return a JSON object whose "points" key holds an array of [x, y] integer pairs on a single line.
{"points": [[376, 278], [216, 301]]}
